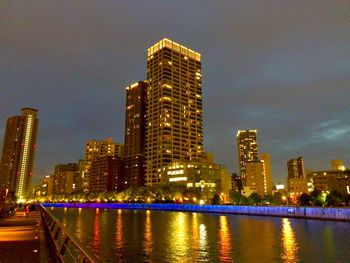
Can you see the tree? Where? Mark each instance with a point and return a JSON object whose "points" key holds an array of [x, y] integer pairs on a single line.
{"points": [[277, 198], [334, 198], [317, 198], [216, 200], [254, 199], [236, 198], [304, 199]]}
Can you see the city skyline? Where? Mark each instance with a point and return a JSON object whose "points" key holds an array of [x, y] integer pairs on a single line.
{"points": [[305, 77]]}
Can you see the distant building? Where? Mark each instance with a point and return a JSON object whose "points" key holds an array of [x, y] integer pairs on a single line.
{"points": [[135, 132], [247, 151], [204, 175], [174, 107], [17, 162], [95, 149], [265, 157], [47, 186], [236, 183], [106, 174], [296, 168], [331, 180], [66, 179], [297, 186], [297, 180], [338, 165]]}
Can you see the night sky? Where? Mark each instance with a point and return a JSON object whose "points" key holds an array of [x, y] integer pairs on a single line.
{"points": [[281, 67]]}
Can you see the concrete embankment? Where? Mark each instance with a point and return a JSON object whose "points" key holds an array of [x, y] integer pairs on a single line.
{"points": [[280, 211]]}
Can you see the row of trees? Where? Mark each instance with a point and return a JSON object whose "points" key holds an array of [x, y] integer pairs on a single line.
{"points": [[166, 193], [318, 198], [315, 198], [170, 193]]}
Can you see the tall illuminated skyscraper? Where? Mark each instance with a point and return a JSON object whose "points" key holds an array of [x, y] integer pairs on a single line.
{"points": [[247, 150], [135, 131], [174, 107], [16, 168]]}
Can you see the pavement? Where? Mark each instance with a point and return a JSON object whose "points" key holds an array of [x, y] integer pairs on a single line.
{"points": [[23, 239]]}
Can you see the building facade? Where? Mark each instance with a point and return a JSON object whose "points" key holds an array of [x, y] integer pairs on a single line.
{"points": [[17, 162], [203, 175], [66, 179], [268, 185], [297, 180], [247, 151], [95, 149], [135, 131], [106, 174], [174, 107], [327, 181], [296, 168]]}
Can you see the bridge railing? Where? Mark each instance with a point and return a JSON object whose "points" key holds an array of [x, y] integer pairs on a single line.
{"points": [[64, 246]]}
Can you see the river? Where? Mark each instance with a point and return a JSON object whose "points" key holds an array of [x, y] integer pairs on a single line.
{"points": [[156, 236]]}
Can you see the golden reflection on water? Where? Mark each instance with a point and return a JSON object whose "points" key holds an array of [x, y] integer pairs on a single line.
{"points": [[195, 233], [119, 242], [203, 240], [79, 225], [148, 243], [179, 235], [96, 232], [224, 240], [289, 243]]}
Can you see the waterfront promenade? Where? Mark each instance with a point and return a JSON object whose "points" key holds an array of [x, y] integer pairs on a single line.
{"points": [[23, 239]]}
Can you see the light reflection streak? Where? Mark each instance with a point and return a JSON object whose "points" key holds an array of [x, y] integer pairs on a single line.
{"points": [[119, 242], [78, 230], [224, 240], [289, 243], [179, 237], [97, 232], [195, 233], [203, 241], [148, 243]]}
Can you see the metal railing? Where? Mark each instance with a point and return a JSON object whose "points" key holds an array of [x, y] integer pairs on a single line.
{"points": [[64, 246]]}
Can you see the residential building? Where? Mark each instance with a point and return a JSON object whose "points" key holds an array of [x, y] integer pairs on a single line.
{"points": [[247, 151], [106, 174], [17, 161], [331, 180], [297, 180], [66, 179], [95, 149], [268, 185], [174, 107], [204, 175], [296, 168], [135, 132]]}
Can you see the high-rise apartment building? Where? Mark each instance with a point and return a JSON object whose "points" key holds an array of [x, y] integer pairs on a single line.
{"points": [[135, 131], [66, 179], [95, 149], [174, 107], [255, 177], [106, 174], [265, 158], [296, 168], [247, 150], [297, 180], [17, 160]]}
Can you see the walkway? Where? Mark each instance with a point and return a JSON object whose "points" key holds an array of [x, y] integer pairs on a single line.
{"points": [[23, 239]]}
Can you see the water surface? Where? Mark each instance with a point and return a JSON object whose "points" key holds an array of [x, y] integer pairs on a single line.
{"points": [[156, 236]]}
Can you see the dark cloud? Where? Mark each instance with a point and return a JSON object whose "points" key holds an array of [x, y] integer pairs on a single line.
{"points": [[281, 67]]}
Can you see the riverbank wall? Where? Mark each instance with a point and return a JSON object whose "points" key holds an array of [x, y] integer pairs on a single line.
{"points": [[327, 213]]}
